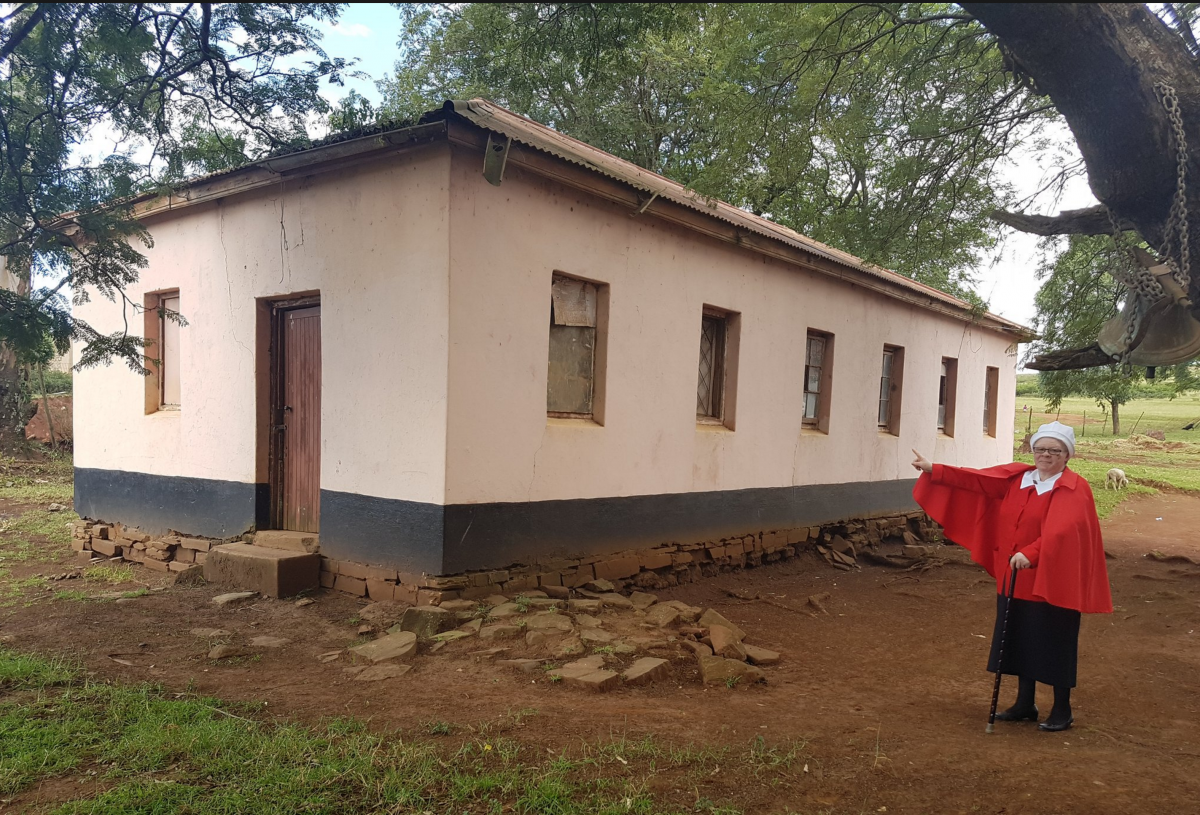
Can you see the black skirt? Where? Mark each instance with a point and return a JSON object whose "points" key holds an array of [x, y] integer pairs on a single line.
{"points": [[1042, 642]]}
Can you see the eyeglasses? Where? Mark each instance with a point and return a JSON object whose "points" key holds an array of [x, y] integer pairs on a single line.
{"points": [[1047, 451]]}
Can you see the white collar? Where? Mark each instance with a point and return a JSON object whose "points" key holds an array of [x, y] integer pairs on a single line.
{"points": [[1030, 479]]}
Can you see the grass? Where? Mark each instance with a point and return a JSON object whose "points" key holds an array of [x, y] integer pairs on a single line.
{"points": [[1167, 415], [154, 751]]}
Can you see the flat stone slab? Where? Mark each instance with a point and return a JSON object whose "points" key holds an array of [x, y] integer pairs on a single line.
{"points": [[689, 614], [271, 572], [716, 670], [288, 541], [614, 600], [495, 600], [761, 656], [523, 665], [499, 632], [642, 601], [269, 642], [543, 603], [647, 670], [400, 645], [557, 592], [600, 585], [587, 621], [377, 673], [697, 648], [234, 597], [451, 636], [596, 636], [596, 681], [725, 644], [227, 651], [580, 667], [570, 647], [425, 621], [585, 606], [383, 613], [710, 618], [471, 626], [459, 605], [329, 656], [210, 633], [548, 621], [535, 638], [662, 615], [505, 609]]}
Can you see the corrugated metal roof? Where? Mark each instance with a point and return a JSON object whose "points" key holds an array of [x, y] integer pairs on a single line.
{"points": [[491, 116]]}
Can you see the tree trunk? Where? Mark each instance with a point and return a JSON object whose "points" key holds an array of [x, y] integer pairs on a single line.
{"points": [[1101, 63], [15, 410], [1116, 416]]}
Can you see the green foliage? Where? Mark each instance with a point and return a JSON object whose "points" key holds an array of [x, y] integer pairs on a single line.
{"points": [[195, 87], [874, 128], [57, 382]]}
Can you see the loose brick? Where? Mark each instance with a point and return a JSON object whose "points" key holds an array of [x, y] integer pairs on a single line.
{"points": [[180, 566], [647, 670], [101, 532], [656, 560], [200, 557], [550, 579], [196, 544], [80, 545], [327, 579], [350, 585], [185, 555], [106, 548], [380, 589], [329, 565], [432, 597], [681, 558], [522, 583], [135, 535], [773, 541], [362, 571], [617, 569], [157, 565]]}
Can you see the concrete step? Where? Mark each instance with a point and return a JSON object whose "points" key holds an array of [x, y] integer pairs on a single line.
{"points": [[271, 572], [288, 541]]}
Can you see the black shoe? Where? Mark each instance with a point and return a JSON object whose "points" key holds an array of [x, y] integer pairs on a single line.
{"points": [[1051, 726], [1014, 715]]}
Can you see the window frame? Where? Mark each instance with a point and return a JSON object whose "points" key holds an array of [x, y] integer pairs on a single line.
{"points": [[991, 400], [947, 396], [723, 378], [824, 394], [156, 353], [599, 348], [891, 423]]}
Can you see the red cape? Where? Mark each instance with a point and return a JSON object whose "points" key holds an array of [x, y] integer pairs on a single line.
{"points": [[1070, 573]]}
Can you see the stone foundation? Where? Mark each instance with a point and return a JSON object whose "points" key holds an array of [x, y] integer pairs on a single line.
{"points": [[667, 565]]}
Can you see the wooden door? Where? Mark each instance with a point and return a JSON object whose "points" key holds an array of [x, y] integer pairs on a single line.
{"points": [[300, 425]]}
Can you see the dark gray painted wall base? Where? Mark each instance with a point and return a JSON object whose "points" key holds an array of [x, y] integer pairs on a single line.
{"points": [[418, 537]]}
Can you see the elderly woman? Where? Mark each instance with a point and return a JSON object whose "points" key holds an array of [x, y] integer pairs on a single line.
{"points": [[1040, 523]]}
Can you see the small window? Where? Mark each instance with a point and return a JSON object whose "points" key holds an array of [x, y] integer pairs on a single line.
{"points": [[891, 381], [947, 392], [574, 385], [162, 324], [818, 378], [710, 381], [991, 390]]}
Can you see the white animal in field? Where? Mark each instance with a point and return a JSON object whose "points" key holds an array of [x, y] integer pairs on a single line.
{"points": [[1116, 479]]}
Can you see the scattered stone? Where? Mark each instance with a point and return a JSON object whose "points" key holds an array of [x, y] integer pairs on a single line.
{"points": [[399, 645], [600, 585], [596, 681], [579, 667], [354, 669], [587, 621], [557, 592], [691, 630], [761, 656], [841, 546], [697, 648], [191, 575], [505, 609], [379, 672], [385, 614], [56, 508], [227, 651], [233, 598], [543, 603], [437, 646], [471, 626], [425, 621], [329, 656], [642, 601], [647, 670], [499, 632], [716, 670], [451, 636], [533, 594], [817, 601], [689, 614], [523, 665], [662, 615], [488, 653], [306, 601], [365, 629], [711, 618], [269, 642], [595, 635], [624, 649], [495, 600], [549, 621], [585, 606], [614, 600], [459, 605], [725, 644], [570, 647], [840, 560], [210, 633]]}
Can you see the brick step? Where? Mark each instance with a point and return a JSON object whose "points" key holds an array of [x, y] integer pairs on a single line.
{"points": [[271, 572], [288, 541]]}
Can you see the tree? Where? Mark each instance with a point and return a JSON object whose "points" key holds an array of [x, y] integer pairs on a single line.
{"points": [[180, 89], [819, 116], [874, 128]]}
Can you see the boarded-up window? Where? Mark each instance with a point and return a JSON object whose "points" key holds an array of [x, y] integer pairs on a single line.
{"points": [[891, 383], [168, 307], [570, 384], [947, 393], [710, 381], [818, 379], [991, 392]]}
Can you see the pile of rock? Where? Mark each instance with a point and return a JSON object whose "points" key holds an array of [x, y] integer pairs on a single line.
{"points": [[632, 639]]}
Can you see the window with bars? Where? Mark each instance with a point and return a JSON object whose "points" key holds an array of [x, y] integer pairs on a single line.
{"points": [[710, 382], [891, 382], [162, 324], [574, 382], [947, 393], [818, 370], [991, 392]]}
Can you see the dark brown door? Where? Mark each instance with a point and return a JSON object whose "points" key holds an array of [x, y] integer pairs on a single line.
{"points": [[300, 481]]}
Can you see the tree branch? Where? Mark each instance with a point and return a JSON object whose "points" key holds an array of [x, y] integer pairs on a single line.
{"points": [[18, 36], [1088, 221]]}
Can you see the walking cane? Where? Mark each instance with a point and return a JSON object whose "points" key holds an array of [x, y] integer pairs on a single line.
{"points": [[1012, 589]]}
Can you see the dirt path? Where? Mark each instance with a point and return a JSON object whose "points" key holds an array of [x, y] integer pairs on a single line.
{"points": [[887, 691]]}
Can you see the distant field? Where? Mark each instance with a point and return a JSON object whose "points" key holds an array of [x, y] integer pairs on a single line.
{"points": [[1167, 415]]}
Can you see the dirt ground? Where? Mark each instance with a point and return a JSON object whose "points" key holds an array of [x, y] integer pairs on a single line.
{"points": [[887, 691]]}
